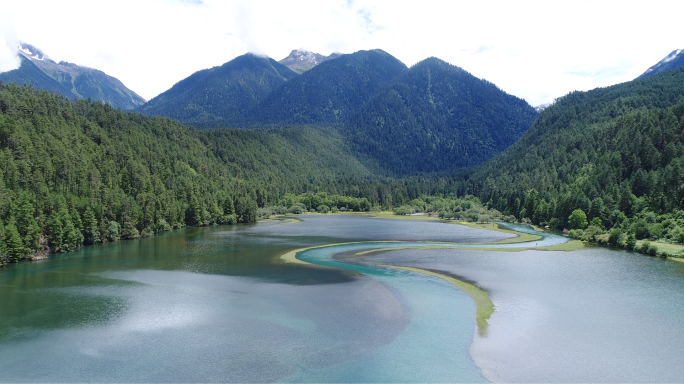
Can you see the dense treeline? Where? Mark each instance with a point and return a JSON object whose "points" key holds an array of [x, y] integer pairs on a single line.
{"points": [[75, 172], [78, 172], [616, 154]]}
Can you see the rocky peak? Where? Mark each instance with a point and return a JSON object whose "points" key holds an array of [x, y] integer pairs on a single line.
{"points": [[301, 61]]}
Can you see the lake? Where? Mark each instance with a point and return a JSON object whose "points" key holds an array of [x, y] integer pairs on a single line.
{"points": [[217, 304]]}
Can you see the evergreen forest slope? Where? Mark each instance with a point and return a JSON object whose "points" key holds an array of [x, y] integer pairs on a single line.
{"points": [[614, 153], [219, 96], [75, 172], [437, 117], [434, 117], [330, 92]]}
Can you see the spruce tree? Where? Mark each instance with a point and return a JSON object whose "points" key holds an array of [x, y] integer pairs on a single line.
{"points": [[15, 247]]}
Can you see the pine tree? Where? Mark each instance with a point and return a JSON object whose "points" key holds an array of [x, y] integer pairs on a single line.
{"points": [[26, 223], [91, 234], [228, 207], [55, 233], [15, 247], [76, 220]]}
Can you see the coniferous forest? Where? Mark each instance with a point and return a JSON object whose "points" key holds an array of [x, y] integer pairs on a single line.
{"points": [[616, 154], [78, 172]]}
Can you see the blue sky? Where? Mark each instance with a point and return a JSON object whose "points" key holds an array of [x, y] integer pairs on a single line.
{"points": [[537, 50]]}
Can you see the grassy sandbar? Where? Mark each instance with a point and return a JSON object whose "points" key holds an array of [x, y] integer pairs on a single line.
{"points": [[483, 304]]}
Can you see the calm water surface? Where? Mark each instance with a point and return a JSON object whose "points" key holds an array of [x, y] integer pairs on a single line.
{"points": [[217, 305]]}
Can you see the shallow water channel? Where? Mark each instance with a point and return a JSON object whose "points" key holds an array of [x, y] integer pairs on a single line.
{"points": [[218, 305]]}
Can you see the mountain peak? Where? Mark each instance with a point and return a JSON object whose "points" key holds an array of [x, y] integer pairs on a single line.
{"points": [[32, 53], [674, 60], [301, 60]]}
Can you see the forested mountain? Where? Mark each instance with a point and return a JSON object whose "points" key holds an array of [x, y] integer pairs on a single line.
{"points": [[437, 117], [614, 153], [219, 96], [330, 92], [301, 61], [70, 80], [79, 172], [434, 117], [674, 60], [252, 91]]}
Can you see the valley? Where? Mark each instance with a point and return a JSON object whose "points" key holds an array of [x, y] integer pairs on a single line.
{"points": [[338, 218]]}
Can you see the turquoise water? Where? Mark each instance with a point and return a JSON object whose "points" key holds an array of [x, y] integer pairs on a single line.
{"points": [[218, 305]]}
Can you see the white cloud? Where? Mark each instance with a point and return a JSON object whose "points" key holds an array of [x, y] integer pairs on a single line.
{"points": [[538, 50], [8, 45]]}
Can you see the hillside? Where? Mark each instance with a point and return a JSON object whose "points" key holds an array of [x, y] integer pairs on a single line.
{"points": [[436, 117], [330, 92], [29, 73], [219, 96], [85, 165], [609, 151], [70, 80]]}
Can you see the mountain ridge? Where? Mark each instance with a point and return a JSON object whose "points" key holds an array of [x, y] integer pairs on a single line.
{"points": [[70, 80], [436, 117], [328, 93], [218, 96], [674, 60]]}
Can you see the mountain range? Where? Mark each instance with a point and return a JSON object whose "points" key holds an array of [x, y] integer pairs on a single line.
{"points": [[427, 118], [379, 135], [70, 80]]}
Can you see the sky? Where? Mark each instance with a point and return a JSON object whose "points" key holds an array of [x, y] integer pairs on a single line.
{"points": [[536, 50]]}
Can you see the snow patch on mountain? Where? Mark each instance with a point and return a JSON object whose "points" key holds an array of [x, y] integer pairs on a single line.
{"points": [[32, 52], [303, 60], [674, 60]]}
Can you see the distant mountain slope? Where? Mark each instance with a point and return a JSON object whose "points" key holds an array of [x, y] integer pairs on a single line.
{"points": [[301, 61], [674, 60], [437, 117], [330, 92], [219, 96], [29, 73], [70, 80], [607, 143]]}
